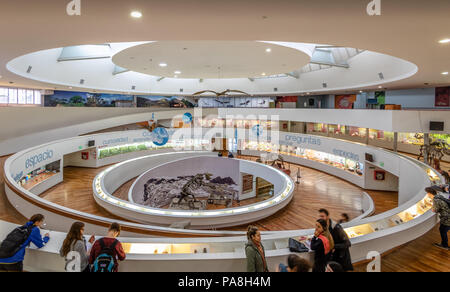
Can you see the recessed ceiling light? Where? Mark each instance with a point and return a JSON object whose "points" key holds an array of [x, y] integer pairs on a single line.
{"points": [[136, 14], [361, 91], [444, 41], [263, 74], [380, 86], [177, 72], [444, 73], [162, 65], [268, 50]]}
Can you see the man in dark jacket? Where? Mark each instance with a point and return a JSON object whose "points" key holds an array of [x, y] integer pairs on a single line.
{"points": [[341, 253]]}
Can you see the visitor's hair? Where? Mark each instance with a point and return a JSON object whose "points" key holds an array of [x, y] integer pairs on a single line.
{"points": [[251, 231], [302, 265], [431, 191], [345, 215], [336, 267], [73, 236], [37, 218], [115, 227], [325, 211], [326, 232]]}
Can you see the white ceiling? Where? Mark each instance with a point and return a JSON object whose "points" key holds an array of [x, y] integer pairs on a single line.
{"points": [[211, 59], [408, 29]]}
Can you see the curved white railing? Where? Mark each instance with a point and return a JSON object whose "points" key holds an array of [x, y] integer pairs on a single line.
{"points": [[409, 220]]}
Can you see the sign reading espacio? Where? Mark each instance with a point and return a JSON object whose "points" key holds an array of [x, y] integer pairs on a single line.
{"points": [[38, 158]]}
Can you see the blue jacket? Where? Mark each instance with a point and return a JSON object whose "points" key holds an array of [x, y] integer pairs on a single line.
{"points": [[35, 238]]}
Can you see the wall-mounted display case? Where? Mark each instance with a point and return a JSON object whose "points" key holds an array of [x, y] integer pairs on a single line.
{"points": [[336, 161], [39, 175], [104, 152]]}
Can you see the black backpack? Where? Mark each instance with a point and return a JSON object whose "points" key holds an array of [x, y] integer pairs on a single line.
{"points": [[104, 263], [14, 241]]}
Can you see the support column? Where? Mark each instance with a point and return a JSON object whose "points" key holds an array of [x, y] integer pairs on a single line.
{"points": [[289, 126], [426, 142], [367, 136], [395, 142]]}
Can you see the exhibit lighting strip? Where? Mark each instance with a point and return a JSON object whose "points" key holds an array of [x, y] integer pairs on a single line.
{"points": [[101, 192]]}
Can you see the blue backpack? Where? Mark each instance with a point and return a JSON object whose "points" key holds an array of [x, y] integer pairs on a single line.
{"points": [[104, 263]]}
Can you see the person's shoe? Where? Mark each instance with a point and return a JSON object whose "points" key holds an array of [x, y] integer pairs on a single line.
{"points": [[441, 246]]}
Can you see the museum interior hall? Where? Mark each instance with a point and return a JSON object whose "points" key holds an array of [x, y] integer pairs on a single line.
{"points": [[224, 136]]}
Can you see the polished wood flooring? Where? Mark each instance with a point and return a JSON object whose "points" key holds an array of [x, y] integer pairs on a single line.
{"points": [[316, 190]]}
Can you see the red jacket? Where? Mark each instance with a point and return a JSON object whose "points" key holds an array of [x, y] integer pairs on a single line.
{"points": [[119, 253]]}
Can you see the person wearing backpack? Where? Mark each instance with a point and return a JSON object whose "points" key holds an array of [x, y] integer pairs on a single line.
{"points": [[75, 242], [12, 249], [441, 205], [107, 252]]}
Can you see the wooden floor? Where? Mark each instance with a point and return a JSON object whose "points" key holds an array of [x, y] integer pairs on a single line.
{"points": [[316, 190]]}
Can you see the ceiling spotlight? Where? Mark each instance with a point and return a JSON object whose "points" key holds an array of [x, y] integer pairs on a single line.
{"points": [[162, 65], [177, 72], [268, 50], [136, 14], [263, 74], [444, 41], [380, 86], [444, 73]]}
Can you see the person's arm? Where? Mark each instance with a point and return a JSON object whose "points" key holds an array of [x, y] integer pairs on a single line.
{"points": [[436, 205], [344, 241], [251, 265], [121, 255], [37, 239], [317, 245]]}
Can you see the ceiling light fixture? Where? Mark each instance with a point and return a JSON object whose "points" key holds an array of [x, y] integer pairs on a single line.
{"points": [[444, 73], [136, 14], [162, 65], [444, 41], [263, 74], [268, 50], [177, 72]]}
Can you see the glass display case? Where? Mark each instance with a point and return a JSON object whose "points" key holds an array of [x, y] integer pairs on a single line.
{"points": [[39, 175], [354, 167], [185, 144], [413, 212], [411, 138]]}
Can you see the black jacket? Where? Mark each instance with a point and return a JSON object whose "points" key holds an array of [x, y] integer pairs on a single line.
{"points": [[341, 246], [320, 259]]}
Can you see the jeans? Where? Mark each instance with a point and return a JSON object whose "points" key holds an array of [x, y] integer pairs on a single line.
{"points": [[444, 230]]}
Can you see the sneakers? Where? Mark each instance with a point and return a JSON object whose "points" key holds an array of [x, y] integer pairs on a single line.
{"points": [[441, 246]]}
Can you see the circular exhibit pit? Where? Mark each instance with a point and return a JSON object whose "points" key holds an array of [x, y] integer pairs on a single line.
{"points": [[188, 190]]}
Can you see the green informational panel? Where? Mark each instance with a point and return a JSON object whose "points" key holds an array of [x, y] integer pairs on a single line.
{"points": [[381, 97]]}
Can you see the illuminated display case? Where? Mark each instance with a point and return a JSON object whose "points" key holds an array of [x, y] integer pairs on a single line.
{"points": [[339, 162], [185, 144], [411, 138]]}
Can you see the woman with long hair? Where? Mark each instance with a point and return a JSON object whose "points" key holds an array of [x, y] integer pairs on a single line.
{"points": [[76, 243], [254, 251], [322, 244]]}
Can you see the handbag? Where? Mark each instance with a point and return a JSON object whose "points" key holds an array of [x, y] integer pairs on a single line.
{"points": [[296, 246]]}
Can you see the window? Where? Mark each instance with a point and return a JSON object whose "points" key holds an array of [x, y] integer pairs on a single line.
{"points": [[37, 97], [21, 96], [30, 97], [14, 96], [3, 95]]}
